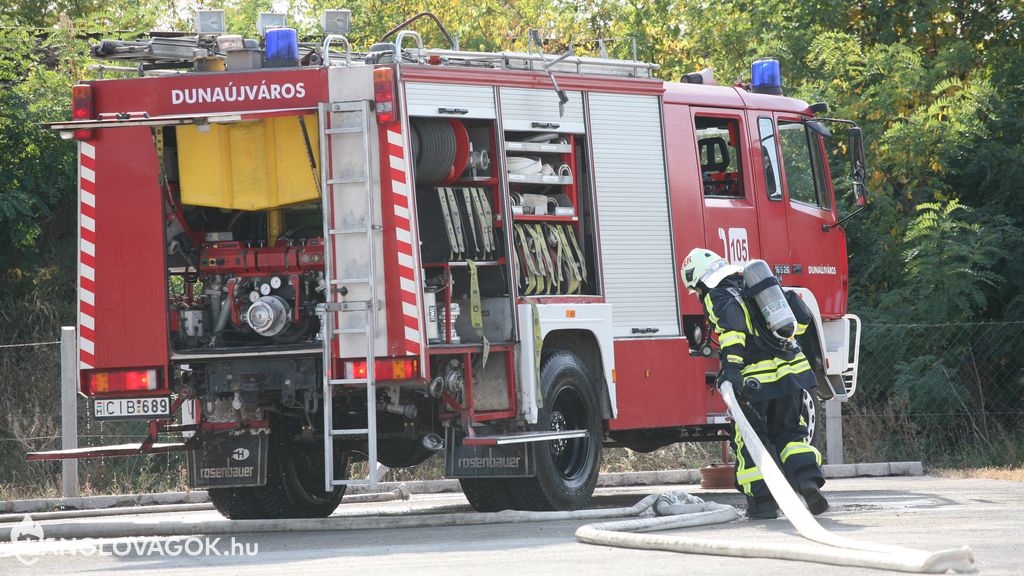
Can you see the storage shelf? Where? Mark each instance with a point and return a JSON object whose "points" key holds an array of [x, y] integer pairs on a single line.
{"points": [[468, 347], [476, 181], [543, 218], [463, 264], [538, 147], [539, 179]]}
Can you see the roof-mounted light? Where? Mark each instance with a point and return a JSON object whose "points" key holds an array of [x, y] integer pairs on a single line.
{"points": [[336, 21], [766, 77], [268, 20], [210, 22]]}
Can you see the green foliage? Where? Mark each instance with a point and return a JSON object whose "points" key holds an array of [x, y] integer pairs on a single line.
{"points": [[935, 85]]}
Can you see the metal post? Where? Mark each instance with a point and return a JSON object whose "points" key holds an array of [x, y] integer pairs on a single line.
{"points": [[834, 431], [69, 407]]}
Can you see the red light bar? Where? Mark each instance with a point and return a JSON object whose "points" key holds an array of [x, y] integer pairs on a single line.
{"points": [[384, 94], [82, 109], [98, 383], [384, 369]]}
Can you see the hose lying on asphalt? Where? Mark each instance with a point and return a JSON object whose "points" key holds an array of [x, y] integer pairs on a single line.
{"points": [[838, 550]]}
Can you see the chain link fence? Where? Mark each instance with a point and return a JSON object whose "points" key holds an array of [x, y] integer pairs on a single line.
{"points": [[950, 395], [30, 420]]}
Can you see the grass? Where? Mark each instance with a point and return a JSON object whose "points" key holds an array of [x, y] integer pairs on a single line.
{"points": [[990, 473]]}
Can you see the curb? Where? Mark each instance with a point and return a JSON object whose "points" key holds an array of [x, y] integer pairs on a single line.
{"points": [[183, 501]]}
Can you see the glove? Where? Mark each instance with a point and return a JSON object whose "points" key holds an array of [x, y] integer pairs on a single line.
{"points": [[732, 373]]}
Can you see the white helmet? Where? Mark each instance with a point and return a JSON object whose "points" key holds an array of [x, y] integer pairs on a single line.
{"points": [[702, 266]]}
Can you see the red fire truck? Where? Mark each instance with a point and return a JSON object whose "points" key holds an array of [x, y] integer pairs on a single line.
{"points": [[297, 265]]}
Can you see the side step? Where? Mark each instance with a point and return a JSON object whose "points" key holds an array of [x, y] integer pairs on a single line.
{"points": [[523, 437]]}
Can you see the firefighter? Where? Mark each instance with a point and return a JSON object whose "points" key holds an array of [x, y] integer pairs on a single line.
{"points": [[783, 373]]}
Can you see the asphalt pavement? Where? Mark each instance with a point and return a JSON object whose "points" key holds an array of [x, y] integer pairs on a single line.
{"points": [[918, 512]]}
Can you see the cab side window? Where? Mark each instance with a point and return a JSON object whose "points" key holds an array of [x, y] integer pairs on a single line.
{"points": [[770, 158], [805, 171], [718, 150]]}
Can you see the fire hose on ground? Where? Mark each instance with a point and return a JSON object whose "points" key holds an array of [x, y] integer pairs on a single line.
{"points": [[835, 549]]}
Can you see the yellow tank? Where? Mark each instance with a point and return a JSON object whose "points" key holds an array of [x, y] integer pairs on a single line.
{"points": [[248, 165]]}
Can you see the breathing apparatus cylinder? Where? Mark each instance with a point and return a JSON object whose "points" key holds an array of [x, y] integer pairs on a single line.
{"points": [[761, 285]]}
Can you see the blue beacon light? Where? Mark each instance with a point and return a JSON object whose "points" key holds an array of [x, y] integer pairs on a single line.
{"points": [[282, 47], [766, 77]]}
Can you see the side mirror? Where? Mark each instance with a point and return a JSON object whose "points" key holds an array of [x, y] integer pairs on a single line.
{"points": [[858, 166]]}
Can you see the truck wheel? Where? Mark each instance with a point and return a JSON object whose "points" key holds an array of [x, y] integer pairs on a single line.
{"points": [[487, 494], [295, 477], [566, 469], [235, 503]]}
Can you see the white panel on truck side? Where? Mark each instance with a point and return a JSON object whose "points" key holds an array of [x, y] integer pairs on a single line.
{"points": [[632, 200]]}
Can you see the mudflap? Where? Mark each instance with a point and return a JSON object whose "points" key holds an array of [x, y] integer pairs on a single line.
{"points": [[229, 461], [506, 461]]}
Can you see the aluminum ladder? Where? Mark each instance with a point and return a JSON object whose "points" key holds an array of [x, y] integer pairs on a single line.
{"points": [[349, 315]]}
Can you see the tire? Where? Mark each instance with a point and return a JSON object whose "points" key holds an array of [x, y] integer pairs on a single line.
{"points": [[235, 503], [487, 494], [295, 477], [566, 469]]}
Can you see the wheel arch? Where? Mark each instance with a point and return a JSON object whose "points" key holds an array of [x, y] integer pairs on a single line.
{"points": [[584, 344], [585, 329]]}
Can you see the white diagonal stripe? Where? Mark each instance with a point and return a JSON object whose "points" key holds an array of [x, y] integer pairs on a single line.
{"points": [[401, 211], [397, 163], [88, 223], [84, 365], [88, 297], [87, 149], [399, 188], [408, 285], [412, 335], [403, 235], [88, 174], [87, 321], [88, 198], [88, 247], [410, 310], [395, 138], [88, 272], [405, 260], [87, 346]]}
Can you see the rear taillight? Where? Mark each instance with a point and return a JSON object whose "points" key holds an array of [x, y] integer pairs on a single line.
{"points": [[384, 369], [384, 95], [119, 382], [82, 109]]}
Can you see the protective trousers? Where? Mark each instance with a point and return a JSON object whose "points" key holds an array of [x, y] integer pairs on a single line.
{"points": [[783, 431]]}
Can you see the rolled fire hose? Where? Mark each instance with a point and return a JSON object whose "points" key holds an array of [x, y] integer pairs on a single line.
{"points": [[837, 550]]}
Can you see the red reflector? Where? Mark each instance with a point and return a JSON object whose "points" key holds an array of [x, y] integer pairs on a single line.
{"points": [[385, 369], [384, 94], [95, 382], [82, 109]]}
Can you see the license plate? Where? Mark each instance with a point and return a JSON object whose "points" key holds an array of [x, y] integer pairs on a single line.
{"points": [[126, 408]]}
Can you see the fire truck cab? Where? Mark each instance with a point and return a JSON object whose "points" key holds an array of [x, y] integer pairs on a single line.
{"points": [[377, 257]]}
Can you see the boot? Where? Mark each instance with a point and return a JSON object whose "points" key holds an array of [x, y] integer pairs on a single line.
{"points": [[816, 502], [764, 510]]}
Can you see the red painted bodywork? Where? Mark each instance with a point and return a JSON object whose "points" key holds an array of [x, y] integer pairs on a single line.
{"points": [[130, 284], [658, 383]]}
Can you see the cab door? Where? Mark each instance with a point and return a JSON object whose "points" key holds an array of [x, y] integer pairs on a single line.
{"points": [[818, 251], [769, 195], [730, 218]]}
